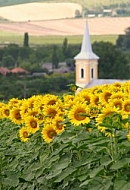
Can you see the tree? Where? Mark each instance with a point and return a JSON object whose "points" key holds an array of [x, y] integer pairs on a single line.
{"points": [[8, 61], [113, 63], [123, 41], [55, 60], [26, 40]]}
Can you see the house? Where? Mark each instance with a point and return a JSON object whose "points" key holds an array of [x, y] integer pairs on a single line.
{"points": [[86, 65], [19, 70], [4, 71]]}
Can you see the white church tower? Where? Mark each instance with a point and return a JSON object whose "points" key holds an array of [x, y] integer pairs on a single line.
{"points": [[86, 62]]}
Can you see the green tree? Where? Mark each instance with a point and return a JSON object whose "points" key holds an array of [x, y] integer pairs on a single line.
{"points": [[8, 61], [123, 41], [113, 62], [26, 40], [55, 60]]}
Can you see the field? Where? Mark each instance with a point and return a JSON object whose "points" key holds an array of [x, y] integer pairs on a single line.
{"points": [[52, 22], [56, 30]]}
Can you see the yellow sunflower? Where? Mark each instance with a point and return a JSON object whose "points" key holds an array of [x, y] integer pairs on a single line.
{"points": [[95, 101], [118, 95], [79, 114], [105, 96], [15, 116], [93, 111], [117, 103], [126, 106], [50, 99], [14, 102], [32, 124], [106, 111], [51, 111], [48, 133], [58, 124], [128, 136], [85, 96], [24, 109], [24, 134], [5, 111], [2, 105]]}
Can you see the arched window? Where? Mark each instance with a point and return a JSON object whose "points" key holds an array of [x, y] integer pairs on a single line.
{"points": [[92, 73], [82, 73]]}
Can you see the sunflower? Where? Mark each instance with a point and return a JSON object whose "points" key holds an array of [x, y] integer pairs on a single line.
{"points": [[5, 111], [95, 100], [48, 133], [1, 110], [116, 87], [128, 136], [106, 111], [126, 87], [117, 103], [50, 99], [78, 114], [15, 116], [24, 134], [32, 124], [58, 123], [24, 109], [13, 102], [85, 96], [68, 101], [126, 107], [104, 97], [93, 111], [118, 95], [51, 111]]}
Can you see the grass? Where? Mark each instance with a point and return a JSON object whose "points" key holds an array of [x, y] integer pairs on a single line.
{"points": [[7, 38]]}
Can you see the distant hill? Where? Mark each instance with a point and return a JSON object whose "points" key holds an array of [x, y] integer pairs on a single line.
{"points": [[92, 7], [39, 11], [85, 3]]}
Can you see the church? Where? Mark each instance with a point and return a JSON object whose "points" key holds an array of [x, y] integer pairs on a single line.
{"points": [[86, 65]]}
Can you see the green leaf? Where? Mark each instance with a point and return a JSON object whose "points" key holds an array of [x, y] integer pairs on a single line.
{"points": [[62, 164], [54, 174], [11, 180], [121, 184], [120, 164], [65, 173], [86, 182], [96, 171]]}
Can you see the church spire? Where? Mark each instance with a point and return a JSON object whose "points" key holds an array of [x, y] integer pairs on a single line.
{"points": [[86, 62], [86, 48]]}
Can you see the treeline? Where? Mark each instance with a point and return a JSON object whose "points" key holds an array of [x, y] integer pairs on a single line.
{"points": [[114, 63]]}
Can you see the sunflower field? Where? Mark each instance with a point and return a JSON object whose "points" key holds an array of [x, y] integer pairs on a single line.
{"points": [[76, 141]]}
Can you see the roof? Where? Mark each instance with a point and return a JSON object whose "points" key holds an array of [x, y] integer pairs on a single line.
{"points": [[86, 48], [96, 82], [4, 70], [18, 70]]}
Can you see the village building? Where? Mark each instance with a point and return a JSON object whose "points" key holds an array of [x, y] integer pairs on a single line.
{"points": [[86, 65]]}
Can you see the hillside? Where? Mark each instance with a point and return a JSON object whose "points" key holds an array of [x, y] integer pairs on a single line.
{"points": [[39, 11], [85, 3]]}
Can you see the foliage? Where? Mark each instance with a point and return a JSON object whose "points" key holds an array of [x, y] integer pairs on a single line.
{"points": [[22, 86], [93, 155], [113, 62], [26, 40], [123, 41]]}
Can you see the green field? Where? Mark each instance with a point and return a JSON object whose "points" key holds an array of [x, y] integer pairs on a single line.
{"points": [[7, 38]]}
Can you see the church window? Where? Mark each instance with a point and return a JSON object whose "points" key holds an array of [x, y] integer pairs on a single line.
{"points": [[92, 73], [82, 73]]}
